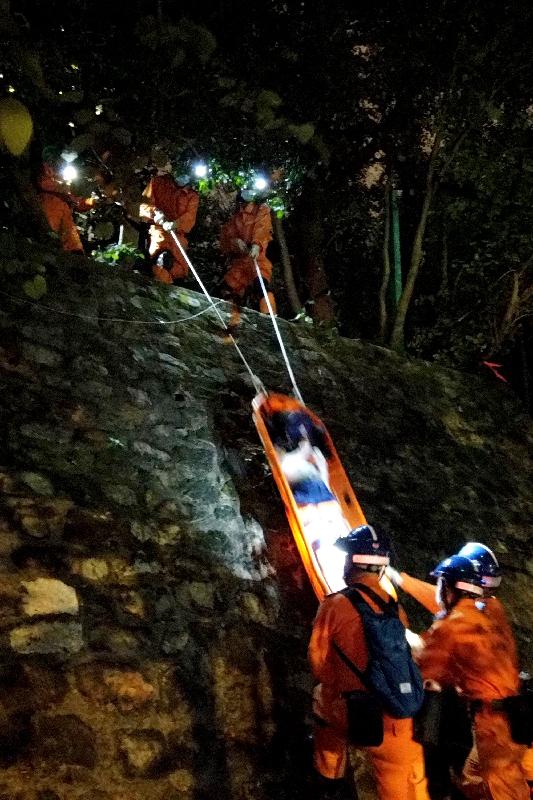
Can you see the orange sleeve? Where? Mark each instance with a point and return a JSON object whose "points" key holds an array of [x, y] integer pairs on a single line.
{"points": [[336, 620], [423, 592], [82, 203], [187, 218], [262, 229], [436, 658], [319, 645], [147, 208]]}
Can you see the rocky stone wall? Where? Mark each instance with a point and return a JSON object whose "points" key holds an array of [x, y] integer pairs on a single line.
{"points": [[154, 610]]}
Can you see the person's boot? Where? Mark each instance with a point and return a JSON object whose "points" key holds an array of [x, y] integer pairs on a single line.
{"points": [[233, 325], [263, 308]]}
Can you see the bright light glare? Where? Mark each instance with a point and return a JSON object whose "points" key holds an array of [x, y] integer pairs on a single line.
{"points": [[260, 183], [200, 170], [69, 173], [11, 89]]}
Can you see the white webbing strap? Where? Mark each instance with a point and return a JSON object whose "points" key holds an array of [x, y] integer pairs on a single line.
{"points": [[295, 388]]}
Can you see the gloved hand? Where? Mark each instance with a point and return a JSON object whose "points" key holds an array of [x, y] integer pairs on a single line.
{"points": [[254, 251], [240, 245], [159, 217], [393, 576], [168, 225], [415, 642]]}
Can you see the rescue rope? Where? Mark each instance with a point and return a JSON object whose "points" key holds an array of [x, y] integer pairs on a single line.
{"points": [[109, 319], [295, 388], [256, 382]]}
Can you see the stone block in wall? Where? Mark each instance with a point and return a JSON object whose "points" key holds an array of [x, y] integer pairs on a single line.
{"points": [[143, 752], [125, 688], [60, 638], [38, 483], [49, 596], [40, 518], [64, 739], [41, 355]]}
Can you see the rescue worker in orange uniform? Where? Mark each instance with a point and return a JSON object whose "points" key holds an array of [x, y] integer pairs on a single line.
{"points": [[471, 649], [57, 204], [398, 763], [244, 239], [170, 205], [471, 780]]}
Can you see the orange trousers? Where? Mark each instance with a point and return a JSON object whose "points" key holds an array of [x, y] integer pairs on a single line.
{"points": [[59, 216], [162, 241], [397, 764], [241, 274], [494, 769]]}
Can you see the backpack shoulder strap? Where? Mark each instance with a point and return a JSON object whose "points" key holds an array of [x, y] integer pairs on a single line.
{"points": [[357, 589], [349, 663]]}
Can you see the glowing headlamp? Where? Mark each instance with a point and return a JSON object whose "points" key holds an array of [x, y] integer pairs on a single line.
{"points": [[260, 183], [69, 173], [200, 170]]}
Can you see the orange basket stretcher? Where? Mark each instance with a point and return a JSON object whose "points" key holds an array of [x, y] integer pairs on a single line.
{"points": [[263, 406]]}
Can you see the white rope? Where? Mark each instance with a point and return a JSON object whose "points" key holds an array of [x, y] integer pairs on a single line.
{"points": [[297, 392], [108, 319], [257, 384]]}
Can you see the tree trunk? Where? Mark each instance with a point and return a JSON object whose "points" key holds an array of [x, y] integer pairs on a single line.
{"points": [[444, 264], [397, 340], [385, 280], [288, 274], [312, 237]]}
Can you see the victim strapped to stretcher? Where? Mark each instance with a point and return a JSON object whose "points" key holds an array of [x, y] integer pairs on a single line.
{"points": [[305, 534]]}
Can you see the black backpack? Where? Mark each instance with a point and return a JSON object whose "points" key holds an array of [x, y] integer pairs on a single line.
{"points": [[391, 674]]}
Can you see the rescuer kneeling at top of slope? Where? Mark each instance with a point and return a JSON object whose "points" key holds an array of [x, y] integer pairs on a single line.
{"points": [[471, 648], [351, 630], [244, 239]]}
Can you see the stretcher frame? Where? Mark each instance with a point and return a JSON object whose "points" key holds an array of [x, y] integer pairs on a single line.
{"points": [[338, 480]]}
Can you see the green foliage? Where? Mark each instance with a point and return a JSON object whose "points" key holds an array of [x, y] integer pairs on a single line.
{"points": [[318, 101], [35, 288], [122, 255]]}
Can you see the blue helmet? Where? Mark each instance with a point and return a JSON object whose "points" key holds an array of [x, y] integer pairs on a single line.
{"points": [[366, 547], [486, 561], [461, 573]]}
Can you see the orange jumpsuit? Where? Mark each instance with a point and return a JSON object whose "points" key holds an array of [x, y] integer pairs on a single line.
{"points": [[179, 205], [398, 763], [252, 224], [57, 205], [424, 593], [473, 650]]}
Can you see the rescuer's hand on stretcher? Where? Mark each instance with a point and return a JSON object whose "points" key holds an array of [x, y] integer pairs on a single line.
{"points": [[254, 251], [240, 245], [415, 642], [394, 576]]}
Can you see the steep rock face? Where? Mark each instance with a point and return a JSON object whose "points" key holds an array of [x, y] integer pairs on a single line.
{"points": [[154, 610]]}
